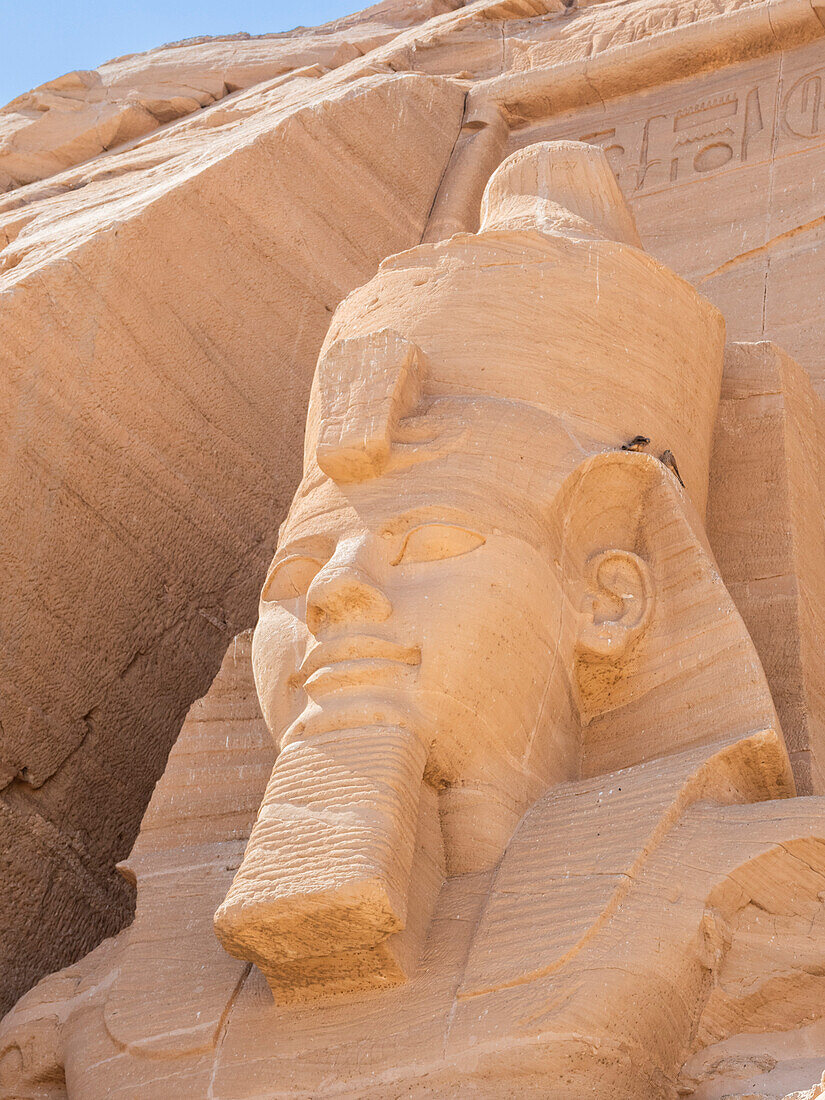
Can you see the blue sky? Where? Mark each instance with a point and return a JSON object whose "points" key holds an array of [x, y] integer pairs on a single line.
{"points": [[43, 39]]}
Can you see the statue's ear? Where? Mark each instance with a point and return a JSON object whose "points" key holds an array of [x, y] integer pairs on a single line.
{"points": [[662, 659], [617, 605]]}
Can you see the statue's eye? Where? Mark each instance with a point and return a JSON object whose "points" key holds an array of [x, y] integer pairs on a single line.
{"points": [[435, 541], [290, 578]]}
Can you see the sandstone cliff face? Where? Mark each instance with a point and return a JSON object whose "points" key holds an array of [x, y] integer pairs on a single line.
{"points": [[176, 231], [82, 114], [160, 322]]}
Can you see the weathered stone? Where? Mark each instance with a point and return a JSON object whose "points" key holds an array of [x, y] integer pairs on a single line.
{"points": [[158, 352], [535, 825]]}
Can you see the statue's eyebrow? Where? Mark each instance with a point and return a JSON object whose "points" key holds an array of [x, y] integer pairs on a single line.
{"points": [[417, 517]]}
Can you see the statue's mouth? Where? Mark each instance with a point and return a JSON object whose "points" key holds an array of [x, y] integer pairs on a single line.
{"points": [[355, 660]]}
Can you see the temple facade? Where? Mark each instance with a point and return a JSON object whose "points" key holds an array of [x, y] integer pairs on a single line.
{"points": [[415, 561]]}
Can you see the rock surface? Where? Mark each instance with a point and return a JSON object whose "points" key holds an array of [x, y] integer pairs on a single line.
{"points": [[177, 230], [83, 114], [157, 352], [531, 824]]}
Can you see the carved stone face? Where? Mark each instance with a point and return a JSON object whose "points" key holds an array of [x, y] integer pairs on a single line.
{"points": [[428, 598], [438, 596]]}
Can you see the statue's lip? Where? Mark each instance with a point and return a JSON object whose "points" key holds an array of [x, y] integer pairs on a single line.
{"points": [[353, 650]]}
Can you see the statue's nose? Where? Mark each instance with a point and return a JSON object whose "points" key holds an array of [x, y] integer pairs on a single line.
{"points": [[344, 591]]}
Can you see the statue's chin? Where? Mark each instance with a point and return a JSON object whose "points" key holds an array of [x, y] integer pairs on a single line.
{"points": [[358, 710]]}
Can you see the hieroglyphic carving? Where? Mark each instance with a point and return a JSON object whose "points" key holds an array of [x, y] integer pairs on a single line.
{"points": [[698, 137], [802, 113]]}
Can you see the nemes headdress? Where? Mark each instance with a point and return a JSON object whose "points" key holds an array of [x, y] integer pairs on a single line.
{"points": [[552, 304]]}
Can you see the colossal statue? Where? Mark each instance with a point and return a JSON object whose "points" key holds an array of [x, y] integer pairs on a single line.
{"points": [[531, 796], [459, 617]]}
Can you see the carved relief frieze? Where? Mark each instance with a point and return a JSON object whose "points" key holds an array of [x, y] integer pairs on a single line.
{"points": [[680, 134]]}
